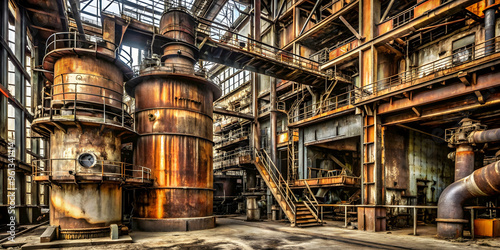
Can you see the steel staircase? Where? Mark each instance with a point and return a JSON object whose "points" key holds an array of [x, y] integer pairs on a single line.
{"points": [[308, 210], [299, 213]]}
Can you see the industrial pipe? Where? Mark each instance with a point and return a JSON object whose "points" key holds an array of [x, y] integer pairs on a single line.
{"points": [[489, 26], [483, 182], [464, 161], [490, 135]]}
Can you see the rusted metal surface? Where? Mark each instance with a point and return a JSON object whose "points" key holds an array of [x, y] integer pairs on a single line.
{"points": [[372, 218], [89, 207], [86, 195], [174, 120], [87, 79], [329, 182], [179, 25], [489, 24], [64, 44], [183, 185], [483, 182], [69, 145], [464, 161], [491, 135]]}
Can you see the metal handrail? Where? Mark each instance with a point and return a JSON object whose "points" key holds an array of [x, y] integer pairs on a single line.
{"points": [[121, 171], [66, 40], [221, 160], [181, 4], [311, 193], [167, 67], [264, 108], [231, 38], [329, 104], [466, 55], [275, 176], [403, 17], [414, 207], [344, 42], [314, 205], [233, 135], [125, 119], [314, 211]]}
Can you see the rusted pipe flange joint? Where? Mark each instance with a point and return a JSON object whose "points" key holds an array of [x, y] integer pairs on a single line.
{"points": [[463, 134]]}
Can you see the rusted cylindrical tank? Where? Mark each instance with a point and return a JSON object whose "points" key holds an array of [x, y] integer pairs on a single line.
{"points": [[86, 120], [179, 25], [174, 121], [86, 210], [88, 81], [174, 111]]}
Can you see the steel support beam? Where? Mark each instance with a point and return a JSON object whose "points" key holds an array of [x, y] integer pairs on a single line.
{"points": [[256, 27], [226, 112], [309, 16], [351, 28], [75, 9], [389, 7]]}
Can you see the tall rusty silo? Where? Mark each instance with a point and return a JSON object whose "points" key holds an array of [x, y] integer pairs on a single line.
{"points": [[85, 118], [174, 108]]}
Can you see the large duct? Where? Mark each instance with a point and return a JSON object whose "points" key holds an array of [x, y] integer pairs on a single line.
{"points": [[483, 182], [174, 109]]}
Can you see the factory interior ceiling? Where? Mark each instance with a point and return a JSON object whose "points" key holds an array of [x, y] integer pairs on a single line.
{"points": [[243, 124]]}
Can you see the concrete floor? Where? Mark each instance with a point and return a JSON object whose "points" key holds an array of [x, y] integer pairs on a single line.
{"points": [[235, 233]]}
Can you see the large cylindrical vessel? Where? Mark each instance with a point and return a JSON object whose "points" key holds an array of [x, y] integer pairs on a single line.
{"points": [[174, 110], [87, 79], [86, 120]]}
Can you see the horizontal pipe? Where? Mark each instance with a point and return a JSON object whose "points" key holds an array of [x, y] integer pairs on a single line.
{"points": [[483, 182], [490, 135]]}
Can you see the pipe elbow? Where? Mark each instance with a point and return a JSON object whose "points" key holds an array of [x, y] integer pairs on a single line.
{"points": [[483, 182], [451, 200]]}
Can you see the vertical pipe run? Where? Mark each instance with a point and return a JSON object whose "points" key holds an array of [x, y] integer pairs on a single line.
{"points": [[464, 161], [489, 26], [273, 122]]}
